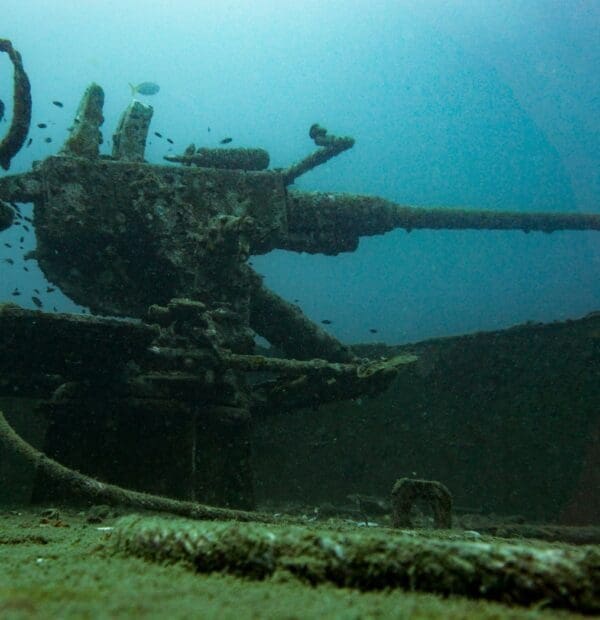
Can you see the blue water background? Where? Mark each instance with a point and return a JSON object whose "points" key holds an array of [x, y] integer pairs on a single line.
{"points": [[483, 104]]}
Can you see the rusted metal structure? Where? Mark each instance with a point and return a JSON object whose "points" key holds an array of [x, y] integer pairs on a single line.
{"points": [[168, 245]]}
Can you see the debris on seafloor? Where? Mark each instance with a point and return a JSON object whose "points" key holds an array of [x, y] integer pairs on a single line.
{"points": [[407, 491]]}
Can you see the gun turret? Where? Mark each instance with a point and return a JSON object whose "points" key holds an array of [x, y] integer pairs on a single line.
{"points": [[119, 234]]}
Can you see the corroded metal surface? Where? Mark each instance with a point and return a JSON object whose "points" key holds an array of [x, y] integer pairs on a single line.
{"points": [[6, 215], [130, 138], [34, 343], [407, 491], [85, 138], [169, 245], [119, 236], [21, 119]]}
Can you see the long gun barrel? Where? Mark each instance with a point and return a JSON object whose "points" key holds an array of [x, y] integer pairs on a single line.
{"points": [[119, 234], [331, 223]]}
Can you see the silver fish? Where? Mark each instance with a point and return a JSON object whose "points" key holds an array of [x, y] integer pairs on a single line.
{"points": [[144, 88]]}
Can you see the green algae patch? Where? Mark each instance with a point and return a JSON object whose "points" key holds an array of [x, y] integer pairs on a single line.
{"points": [[523, 573], [67, 568]]}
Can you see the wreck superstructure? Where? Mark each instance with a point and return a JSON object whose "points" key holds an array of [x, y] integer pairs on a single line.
{"points": [[168, 245]]}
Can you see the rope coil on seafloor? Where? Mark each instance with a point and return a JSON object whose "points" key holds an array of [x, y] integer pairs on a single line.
{"points": [[21, 118]]}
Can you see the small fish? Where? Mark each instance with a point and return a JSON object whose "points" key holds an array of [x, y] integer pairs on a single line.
{"points": [[15, 206], [25, 269], [48, 139], [8, 245], [1, 109], [170, 141], [10, 261], [42, 125], [58, 104], [29, 142], [16, 293], [373, 330], [225, 140], [208, 129], [37, 301], [21, 239], [144, 88], [50, 289], [326, 322], [16, 223], [158, 135], [28, 219], [35, 290], [25, 227], [54, 308]]}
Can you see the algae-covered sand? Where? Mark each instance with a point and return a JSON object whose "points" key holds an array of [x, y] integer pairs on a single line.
{"points": [[57, 564]]}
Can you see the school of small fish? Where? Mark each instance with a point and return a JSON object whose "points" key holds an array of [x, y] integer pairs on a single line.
{"points": [[143, 88]]}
